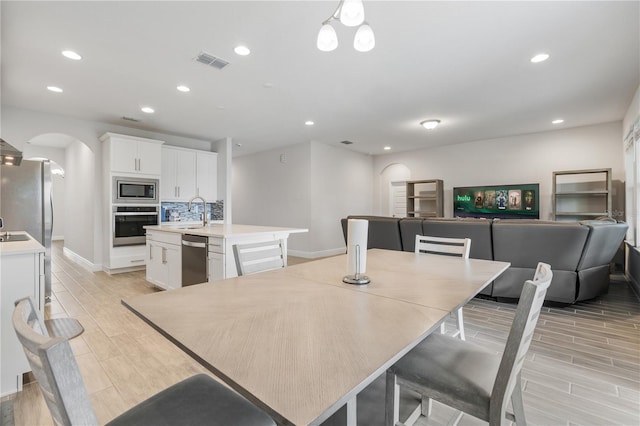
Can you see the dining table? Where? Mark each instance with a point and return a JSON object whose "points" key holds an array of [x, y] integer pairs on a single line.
{"points": [[300, 343]]}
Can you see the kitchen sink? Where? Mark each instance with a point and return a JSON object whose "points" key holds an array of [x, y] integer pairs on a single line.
{"points": [[13, 237]]}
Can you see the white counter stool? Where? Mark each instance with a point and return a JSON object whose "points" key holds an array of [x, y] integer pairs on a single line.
{"points": [[469, 377]]}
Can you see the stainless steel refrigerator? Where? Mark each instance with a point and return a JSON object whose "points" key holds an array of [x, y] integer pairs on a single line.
{"points": [[26, 204]]}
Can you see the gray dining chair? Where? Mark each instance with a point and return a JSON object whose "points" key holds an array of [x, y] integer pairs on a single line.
{"points": [[459, 247], [197, 400], [469, 377], [252, 258]]}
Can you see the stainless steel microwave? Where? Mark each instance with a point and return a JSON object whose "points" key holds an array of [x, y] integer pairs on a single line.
{"points": [[135, 190]]}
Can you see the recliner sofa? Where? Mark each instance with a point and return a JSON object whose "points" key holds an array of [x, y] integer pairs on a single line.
{"points": [[578, 252]]}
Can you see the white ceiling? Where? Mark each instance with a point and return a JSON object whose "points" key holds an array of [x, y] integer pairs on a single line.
{"points": [[465, 63]]}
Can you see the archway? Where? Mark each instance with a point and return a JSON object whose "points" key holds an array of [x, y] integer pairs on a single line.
{"points": [[392, 201]]}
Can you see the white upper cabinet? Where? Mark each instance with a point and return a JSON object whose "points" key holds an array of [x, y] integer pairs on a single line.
{"points": [[178, 179], [130, 154], [187, 173], [207, 175]]}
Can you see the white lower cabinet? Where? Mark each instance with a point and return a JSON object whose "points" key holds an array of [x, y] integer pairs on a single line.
{"points": [[164, 260], [215, 256]]}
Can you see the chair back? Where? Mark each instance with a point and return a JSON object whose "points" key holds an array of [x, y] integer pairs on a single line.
{"points": [[54, 367], [520, 336], [446, 246], [258, 257]]}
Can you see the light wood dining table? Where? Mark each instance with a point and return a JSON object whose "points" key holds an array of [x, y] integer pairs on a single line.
{"points": [[298, 342]]}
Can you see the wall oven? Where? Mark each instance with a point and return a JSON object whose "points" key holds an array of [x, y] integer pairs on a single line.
{"points": [[129, 223], [135, 190]]}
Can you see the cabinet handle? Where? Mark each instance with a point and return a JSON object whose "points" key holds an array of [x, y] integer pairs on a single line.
{"points": [[139, 165], [150, 252], [137, 260], [178, 191], [164, 255]]}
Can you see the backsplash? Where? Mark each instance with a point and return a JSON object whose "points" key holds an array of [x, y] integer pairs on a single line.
{"points": [[215, 211]]}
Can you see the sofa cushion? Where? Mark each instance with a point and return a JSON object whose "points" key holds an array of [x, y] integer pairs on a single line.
{"points": [[478, 230], [603, 242], [384, 232], [524, 243], [409, 228]]}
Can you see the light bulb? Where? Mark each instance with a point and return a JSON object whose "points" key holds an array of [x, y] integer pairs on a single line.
{"points": [[364, 40], [352, 13], [327, 38], [430, 124]]}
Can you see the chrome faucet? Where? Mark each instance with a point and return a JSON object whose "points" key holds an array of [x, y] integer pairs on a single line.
{"points": [[204, 209]]}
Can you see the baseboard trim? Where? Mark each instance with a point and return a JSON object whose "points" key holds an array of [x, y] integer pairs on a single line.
{"points": [[90, 266], [316, 254]]}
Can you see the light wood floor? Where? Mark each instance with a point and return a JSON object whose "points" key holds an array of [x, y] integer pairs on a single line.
{"points": [[583, 367]]}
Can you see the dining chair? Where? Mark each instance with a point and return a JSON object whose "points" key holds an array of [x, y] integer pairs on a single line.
{"points": [[197, 400], [459, 247], [259, 257], [469, 377]]}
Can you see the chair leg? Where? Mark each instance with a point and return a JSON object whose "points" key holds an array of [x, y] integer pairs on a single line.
{"points": [[442, 330], [426, 406], [518, 405], [460, 324], [392, 400]]}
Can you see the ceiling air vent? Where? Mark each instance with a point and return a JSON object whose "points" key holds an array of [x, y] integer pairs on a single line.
{"points": [[135, 120], [346, 142], [212, 61]]}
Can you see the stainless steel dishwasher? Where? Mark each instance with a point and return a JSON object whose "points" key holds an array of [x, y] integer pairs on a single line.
{"points": [[194, 259]]}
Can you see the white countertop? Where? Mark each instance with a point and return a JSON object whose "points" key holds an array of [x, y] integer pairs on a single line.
{"points": [[223, 230], [20, 247]]}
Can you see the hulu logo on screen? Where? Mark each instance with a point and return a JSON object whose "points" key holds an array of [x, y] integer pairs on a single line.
{"points": [[465, 198]]}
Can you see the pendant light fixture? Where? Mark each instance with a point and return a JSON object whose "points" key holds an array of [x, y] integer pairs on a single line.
{"points": [[351, 14]]}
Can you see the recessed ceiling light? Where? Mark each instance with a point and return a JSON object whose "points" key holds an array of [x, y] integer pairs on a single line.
{"points": [[182, 88], [54, 89], [71, 55], [148, 110], [309, 123], [540, 57], [242, 50], [558, 121], [387, 148], [430, 124]]}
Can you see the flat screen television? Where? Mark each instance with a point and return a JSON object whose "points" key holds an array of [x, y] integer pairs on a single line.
{"points": [[497, 201]]}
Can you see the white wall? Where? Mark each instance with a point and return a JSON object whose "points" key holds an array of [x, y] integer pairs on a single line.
{"points": [[341, 184], [308, 185], [633, 113], [267, 191], [513, 160]]}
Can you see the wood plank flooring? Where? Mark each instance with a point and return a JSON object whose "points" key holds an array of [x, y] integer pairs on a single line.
{"points": [[583, 367]]}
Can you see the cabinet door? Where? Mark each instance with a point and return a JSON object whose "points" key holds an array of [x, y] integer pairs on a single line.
{"points": [[168, 186], [186, 174], [173, 262], [156, 270], [124, 156], [207, 175], [149, 158], [216, 267]]}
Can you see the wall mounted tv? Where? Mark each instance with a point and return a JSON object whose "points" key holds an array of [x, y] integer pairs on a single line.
{"points": [[499, 201]]}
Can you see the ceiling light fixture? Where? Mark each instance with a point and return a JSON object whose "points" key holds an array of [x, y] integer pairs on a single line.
{"points": [[387, 148], [430, 124], [148, 110], [54, 89], [71, 55], [309, 123], [558, 121], [242, 50], [351, 14], [541, 57], [184, 89]]}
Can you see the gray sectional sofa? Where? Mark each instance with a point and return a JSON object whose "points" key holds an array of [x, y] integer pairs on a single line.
{"points": [[578, 252]]}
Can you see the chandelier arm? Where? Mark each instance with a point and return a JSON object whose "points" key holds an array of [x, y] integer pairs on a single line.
{"points": [[335, 14]]}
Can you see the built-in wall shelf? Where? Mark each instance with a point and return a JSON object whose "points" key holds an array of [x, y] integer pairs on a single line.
{"points": [[581, 194], [424, 198]]}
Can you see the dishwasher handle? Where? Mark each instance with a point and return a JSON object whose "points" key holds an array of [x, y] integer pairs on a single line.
{"points": [[193, 244]]}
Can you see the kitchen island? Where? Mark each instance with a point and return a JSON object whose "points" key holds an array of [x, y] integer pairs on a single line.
{"points": [[21, 275], [164, 249]]}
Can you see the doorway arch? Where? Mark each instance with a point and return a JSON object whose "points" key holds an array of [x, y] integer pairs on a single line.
{"points": [[392, 189]]}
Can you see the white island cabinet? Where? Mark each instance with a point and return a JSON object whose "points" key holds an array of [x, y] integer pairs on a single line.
{"points": [[164, 263], [21, 275]]}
